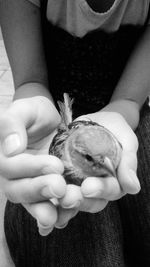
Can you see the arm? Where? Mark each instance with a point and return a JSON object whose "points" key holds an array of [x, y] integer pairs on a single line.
{"points": [[122, 112], [134, 85], [21, 27], [27, 124]]}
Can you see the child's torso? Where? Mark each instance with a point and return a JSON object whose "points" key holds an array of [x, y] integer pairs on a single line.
{"points": [[79, 17]]}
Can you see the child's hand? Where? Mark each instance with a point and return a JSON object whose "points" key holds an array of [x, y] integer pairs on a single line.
{"points": [[26, 129], [96, 192], [127, 181]]}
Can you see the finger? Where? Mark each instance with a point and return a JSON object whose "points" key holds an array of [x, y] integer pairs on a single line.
{"points": [[37, 189], [27, 165], [13, 135], [64, 216], [126, 173], [44, 231], [93, 205], [46, 215], [26, 114], [107, 188], [72, 198]]}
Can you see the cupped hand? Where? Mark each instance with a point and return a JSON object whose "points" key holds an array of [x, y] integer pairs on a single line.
{"points": [[126, 171], [94, 193], [28, 175], [26, 130]]}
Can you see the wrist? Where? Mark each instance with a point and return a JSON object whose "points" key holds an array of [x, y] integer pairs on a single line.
{"points": [[32, 89], [127, 108]]}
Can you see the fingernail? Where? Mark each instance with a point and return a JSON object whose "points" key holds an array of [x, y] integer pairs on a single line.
{"points": [[54, 201], [11, 144], [61, 226], [45, 232], [73, 205], [97, 193], [48, 192], [134, 180], [43, 226]]}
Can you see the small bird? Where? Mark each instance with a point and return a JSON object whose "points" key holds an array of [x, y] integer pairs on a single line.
{"points": [[86, 148]]}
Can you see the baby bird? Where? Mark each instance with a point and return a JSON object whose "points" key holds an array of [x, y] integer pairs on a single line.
{"points": [[86, 148]]}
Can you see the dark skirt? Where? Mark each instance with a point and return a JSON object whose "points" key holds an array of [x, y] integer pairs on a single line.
{"points": [[88, 69]]}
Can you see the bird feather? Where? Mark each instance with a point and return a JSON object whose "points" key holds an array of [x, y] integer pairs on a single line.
{"points": [[66, 110]]}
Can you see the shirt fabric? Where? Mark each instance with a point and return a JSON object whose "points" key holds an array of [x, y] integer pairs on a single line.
{"points": [[78, 18]]}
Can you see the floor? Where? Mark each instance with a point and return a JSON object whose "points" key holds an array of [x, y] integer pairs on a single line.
{"points": [[6, 94]]}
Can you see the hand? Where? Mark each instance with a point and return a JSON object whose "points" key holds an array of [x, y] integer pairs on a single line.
{"points": [[95, 193], [126, 171], [26, 129]]}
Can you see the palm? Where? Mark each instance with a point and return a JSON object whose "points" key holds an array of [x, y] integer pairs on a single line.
{"points": [[118, 126]]}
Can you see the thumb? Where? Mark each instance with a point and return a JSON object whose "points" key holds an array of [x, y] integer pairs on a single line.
{"points": [[37, 115], [14, 124], [13, 135], [127, 173]]}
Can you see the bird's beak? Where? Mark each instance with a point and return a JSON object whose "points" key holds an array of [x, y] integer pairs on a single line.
{"points": [[109, 166]]}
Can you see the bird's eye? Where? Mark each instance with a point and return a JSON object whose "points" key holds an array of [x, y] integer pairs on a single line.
{"points": [[88, 157]]}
